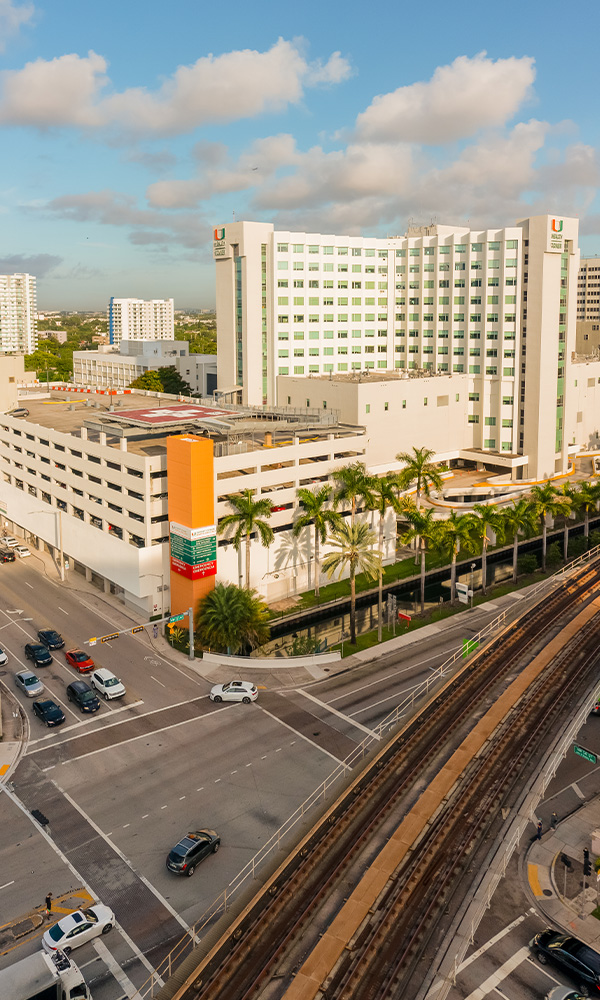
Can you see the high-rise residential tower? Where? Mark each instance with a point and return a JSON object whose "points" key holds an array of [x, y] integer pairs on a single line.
{"points": [[18, 313], [140, 319]]}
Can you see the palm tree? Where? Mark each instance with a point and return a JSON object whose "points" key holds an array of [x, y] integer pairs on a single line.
{"points": [[382, 496], [544, 498], [317, 514], [520, 519], [586, 499], [485, 516], [247, 519], [420, 471], [230, 618], [455, 534], [352, 484], [353, 543], [423, 529], [565, 498]]}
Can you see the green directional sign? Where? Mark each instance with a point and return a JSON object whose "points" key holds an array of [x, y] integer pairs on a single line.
{"points": [[175, 618], [586, 754]]}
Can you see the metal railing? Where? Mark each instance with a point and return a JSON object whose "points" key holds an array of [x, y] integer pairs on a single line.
{"points": [[220, 905]]}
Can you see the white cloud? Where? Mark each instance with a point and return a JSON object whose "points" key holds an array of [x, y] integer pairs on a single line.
{"points": [[240, 84], [12, 18], [460, 99]]}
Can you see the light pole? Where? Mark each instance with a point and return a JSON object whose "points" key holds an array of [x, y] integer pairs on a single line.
{"points": [[56, 510], [472, 569]]}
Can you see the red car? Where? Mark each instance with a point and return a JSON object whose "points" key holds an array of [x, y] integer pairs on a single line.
{"points": [[80, 660]]}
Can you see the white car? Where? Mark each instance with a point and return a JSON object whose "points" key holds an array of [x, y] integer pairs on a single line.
{"points": [[22, 551], [3, 657], [234, 691], [9, 541], [106, 684], [78, 927]]}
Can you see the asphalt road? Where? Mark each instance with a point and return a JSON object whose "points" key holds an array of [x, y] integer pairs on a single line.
{"points": [[122, 786]]}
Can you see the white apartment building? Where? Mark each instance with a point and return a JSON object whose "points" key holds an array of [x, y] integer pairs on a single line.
{"points": [[495, 305], [18, 313], [140, 319], [117, 369], [588, 307]]}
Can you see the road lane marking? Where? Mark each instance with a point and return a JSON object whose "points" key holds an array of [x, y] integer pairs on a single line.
{"points": [[126, 861], [157, 681], [78, 725], [390, 697], [114, 968], [390, 677], [499, 975], [145, 816], [63, 610], [29, 585], [6, 884], [340, 715], [494, 940], [302, 736], [77, 875]]}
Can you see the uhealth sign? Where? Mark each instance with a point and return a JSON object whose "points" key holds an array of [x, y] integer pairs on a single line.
{"points": [[193, 550]]}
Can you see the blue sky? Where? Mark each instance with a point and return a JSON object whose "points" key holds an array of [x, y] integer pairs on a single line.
{"points": [[129, 130]]}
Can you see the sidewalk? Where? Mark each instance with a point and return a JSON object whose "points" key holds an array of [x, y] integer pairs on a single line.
{"points": [[558, 890], [33, 924]]}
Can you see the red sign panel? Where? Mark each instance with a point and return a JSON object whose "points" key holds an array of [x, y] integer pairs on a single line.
{"points": [[193, 572]]}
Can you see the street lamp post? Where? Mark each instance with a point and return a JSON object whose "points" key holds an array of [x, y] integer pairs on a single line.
{"points": [[472, 569]]}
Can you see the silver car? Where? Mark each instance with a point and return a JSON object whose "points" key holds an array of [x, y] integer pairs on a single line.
{"points": [[27, 682], [3, 657]]}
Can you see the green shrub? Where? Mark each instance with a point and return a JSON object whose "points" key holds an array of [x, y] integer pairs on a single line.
{"points": [[577, 546], [553, 555], [527, 563]]}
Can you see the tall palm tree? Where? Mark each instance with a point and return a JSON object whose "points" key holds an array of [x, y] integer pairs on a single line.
{"points": [[485, 516], [352, 544], [544, 498], [420, 471], [382, 498], [322, 518], [423, 529], [565, 501], [247, 517], [229, 619], [520, 519], [351, 485], [455, 533], [586, 499]]}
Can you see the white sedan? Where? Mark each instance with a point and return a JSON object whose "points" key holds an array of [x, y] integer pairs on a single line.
{"points": [[234, 691], [105, 683], [22, 551], [78, 927]]}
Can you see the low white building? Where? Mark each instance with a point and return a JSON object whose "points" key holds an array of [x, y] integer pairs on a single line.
{"points": [[116, 369]]}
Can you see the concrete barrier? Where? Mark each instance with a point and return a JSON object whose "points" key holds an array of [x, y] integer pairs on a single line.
{"points": [[272, 663]]}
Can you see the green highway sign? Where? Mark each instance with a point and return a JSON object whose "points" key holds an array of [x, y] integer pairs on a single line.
{"points": [[586, 754], [175, 618]]}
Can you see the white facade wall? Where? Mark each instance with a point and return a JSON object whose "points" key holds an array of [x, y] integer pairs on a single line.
{"points": [[18, 313], [118, 370], [140, 319]]}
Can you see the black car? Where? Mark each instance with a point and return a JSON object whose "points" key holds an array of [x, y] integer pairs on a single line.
{"points": [[51, 638], [191, 850], [572, 956], [49, 712], [7, 555], [39, 654], [82, 694]]}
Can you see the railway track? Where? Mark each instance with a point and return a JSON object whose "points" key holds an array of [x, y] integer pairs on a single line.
{"points": [[353, 912]]}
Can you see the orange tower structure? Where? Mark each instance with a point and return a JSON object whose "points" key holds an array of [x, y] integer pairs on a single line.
{"points": [[190, 471]]}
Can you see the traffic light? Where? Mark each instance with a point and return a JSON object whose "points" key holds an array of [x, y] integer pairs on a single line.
{"points": [[587, 864]]}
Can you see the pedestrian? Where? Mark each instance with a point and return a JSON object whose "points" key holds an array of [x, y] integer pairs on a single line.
{"points": [[554, 821], [155, 631], [539, 830], [49, 903]]}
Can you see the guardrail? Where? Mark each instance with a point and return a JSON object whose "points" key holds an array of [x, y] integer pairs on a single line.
{"points": [[220, 905]]}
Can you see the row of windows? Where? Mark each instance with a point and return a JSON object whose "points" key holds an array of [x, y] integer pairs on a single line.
{"points": [[413, 251], [360, 365]]}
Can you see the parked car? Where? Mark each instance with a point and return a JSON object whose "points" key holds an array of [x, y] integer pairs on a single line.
{"points": [[79, 927], [19, 411], [191, 850], [105, 682], [82, 695], [39, 654], [49, 712], [234, 691], [3, 657], [580, 962], [80, 660], [22, 551], [9, 540], [51, 638], [7, 555], [29, 683], [564, 993]]}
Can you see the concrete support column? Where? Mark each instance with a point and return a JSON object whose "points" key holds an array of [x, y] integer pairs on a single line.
{"points": [[106, 586], [88, 574]]}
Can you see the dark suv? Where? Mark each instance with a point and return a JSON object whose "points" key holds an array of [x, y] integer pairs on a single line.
{"points": [[39, 654], [7, 555], [51, 638], [191, 850], [83, 696], [572, 956]]}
